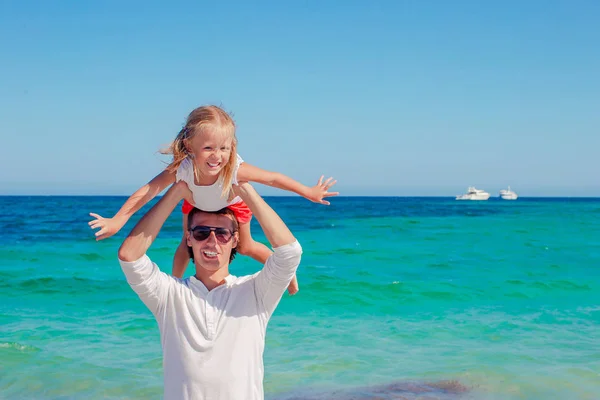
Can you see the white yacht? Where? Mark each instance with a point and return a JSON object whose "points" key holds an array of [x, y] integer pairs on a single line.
{"points": [[508, 194], [474, 194]]}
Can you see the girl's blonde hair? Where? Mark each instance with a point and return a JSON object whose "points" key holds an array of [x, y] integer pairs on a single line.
{"points": [[201, 120]]}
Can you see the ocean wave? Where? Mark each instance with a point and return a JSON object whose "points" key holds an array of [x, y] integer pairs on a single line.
{"points": [[550, 286], [19, 347], [442, 390], [68, 286]]}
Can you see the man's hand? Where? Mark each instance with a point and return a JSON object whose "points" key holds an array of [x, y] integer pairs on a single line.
{"points": [[185, 191]]}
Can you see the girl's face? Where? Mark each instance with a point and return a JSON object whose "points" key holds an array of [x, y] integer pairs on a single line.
{"points": [[211, 152]]}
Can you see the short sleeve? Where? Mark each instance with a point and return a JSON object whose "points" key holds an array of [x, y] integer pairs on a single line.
{"points": [[185, 171], [237, 167]]}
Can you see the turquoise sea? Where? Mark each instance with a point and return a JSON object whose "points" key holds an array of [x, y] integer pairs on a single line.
{"points": [[400, 298]]}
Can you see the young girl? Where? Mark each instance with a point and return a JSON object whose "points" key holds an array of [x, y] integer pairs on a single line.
{"points": [[205, 157]]}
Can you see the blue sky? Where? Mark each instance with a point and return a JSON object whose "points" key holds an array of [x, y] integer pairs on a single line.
{"points": [[391, 98]]}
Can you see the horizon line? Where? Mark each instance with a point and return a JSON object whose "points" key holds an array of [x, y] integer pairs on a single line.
{"points": [[334, 197]]}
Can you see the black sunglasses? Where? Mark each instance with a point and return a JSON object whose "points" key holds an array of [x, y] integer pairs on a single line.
{"points": [[202, 232]]}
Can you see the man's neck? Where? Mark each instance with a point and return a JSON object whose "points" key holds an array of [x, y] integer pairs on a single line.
{"points": [[212, 279]]}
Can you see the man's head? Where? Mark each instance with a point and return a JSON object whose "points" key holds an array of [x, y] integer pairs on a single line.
{"points": [[212, 238]]}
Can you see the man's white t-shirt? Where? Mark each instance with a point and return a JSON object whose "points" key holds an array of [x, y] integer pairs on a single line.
{"points": [[213, 341]]}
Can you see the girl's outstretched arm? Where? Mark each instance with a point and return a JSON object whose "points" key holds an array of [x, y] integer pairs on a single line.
{"points": [[110, 226], [317, 193]]}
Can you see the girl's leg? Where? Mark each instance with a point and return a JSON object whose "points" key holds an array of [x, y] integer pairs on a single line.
{"points": [[247, 246], [182, 257]]}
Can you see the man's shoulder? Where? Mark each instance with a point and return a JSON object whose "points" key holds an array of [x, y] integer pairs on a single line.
{"points": [[177, 287], [244, 285], [240, 280]]}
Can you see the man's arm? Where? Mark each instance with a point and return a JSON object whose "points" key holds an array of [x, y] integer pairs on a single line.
{"points": [[274, 228], [280, 268], [145, 231], [143, 275]]}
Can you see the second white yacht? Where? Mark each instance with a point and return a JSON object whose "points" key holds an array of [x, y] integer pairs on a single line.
{"points": [[508, 194]]}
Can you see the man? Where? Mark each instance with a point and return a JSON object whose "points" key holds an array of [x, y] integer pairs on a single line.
{"points": [[212, 325]]}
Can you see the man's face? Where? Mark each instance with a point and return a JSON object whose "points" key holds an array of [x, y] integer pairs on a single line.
{"points": [[213, 252]]}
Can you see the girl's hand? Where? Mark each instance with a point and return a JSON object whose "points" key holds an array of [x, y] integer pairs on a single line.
{"points": [[108, 226], [319, 192]]}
